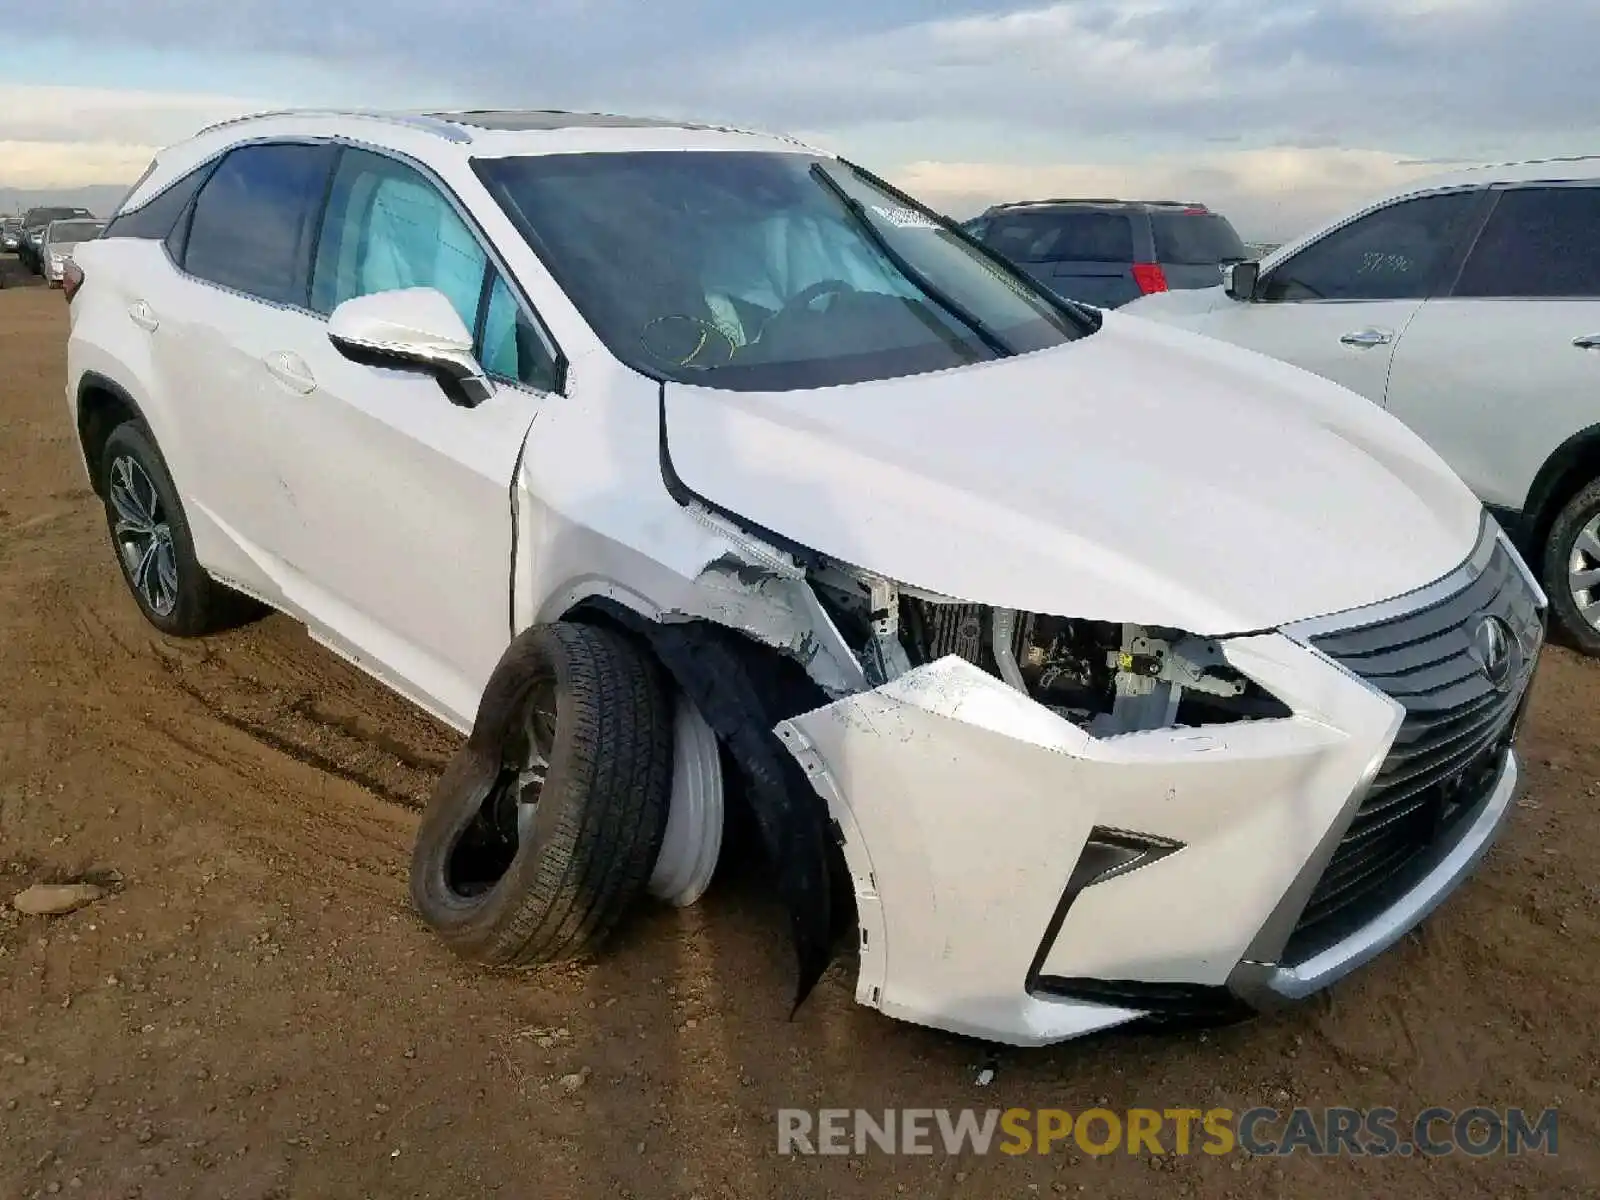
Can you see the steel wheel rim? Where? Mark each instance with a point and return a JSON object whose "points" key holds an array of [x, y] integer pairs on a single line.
{"points": [[143, 535], [539, 732], [1583, 572], [503, 826]]}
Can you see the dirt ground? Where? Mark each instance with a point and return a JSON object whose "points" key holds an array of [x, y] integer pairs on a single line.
{"points": [[254, 1011]]}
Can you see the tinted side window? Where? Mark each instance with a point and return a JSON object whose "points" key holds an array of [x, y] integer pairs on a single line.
{"points": [[254, 219], [387, 228], [508, 346], [1539, 242], [155, 218], [1393, 254]]}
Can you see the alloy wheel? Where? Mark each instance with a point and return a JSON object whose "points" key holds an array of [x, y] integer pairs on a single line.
{"points": [[1583, 572], [143, 536]]}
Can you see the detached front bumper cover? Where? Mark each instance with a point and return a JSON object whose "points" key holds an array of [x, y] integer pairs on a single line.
{"points": [[965, 811]]}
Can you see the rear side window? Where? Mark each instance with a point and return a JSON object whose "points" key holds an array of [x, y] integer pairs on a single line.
{"points": [[1540, 243], [1032, 237], [155, 218], [1395, 253], [255, 218], [1195, 239]]}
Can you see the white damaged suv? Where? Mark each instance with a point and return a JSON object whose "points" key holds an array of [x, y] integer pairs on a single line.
{"points": [[1084, 670]]}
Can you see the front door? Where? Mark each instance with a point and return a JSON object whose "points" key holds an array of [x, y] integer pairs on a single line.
{"points": [[1339, 306], [402, 498]]}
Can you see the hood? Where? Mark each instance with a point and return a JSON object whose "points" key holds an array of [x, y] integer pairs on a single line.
{"points": [[1139, 474], [1178, 304]]}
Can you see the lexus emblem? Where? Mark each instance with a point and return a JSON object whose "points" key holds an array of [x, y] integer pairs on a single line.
{"points": [[1494, 648]]}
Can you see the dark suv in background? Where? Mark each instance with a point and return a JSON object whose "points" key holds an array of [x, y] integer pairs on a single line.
{"points": [[1108, 252]]}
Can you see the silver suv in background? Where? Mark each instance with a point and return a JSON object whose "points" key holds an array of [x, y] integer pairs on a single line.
{"points": [[59, 240], [1108, 252]]}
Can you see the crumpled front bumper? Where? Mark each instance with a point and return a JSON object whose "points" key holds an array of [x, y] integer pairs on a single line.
{"points": [[965, 809]]}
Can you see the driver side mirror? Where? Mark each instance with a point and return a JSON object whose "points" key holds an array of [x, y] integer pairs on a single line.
{"points": [[1240, 279], [416, 328]]}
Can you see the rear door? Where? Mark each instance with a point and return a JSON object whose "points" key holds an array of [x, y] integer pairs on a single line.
{"points": [[1503, 369], [1338, 306], [243, 250], [1192, 245], [1082, 254]]}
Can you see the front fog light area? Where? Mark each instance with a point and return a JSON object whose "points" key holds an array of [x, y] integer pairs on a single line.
{"points": [[1108, 678]]}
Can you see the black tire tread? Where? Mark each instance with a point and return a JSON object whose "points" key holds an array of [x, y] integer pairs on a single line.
{"points": [[1574, 515], [609, 781]]}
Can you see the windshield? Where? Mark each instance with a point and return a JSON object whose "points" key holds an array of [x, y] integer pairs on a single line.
{"points": [[75, 231], [759, 270]]}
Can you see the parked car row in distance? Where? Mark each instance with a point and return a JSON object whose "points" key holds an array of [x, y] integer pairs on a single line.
{"points": [[31, 231]]}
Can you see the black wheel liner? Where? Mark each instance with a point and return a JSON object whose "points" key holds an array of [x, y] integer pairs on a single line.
{"points": [[743, 689]]}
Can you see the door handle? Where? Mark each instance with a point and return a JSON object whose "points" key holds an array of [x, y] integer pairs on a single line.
{"points": [[1589, 341], [1368, 337], [142, 315], [290, 370]]}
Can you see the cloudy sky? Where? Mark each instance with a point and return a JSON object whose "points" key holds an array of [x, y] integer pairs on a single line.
{"points": [[1279, 111]]}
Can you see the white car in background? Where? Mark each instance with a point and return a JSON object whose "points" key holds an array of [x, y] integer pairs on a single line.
{"points": [[1468, 305], [1111, 672], [60, 240]]}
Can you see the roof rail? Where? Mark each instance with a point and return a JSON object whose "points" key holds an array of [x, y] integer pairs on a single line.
{"points": [[458, 117], [1067, 200], [1531, 162], [448, 130]]}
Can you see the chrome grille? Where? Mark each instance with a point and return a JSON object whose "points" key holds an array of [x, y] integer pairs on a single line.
{"points": [[1451, 744]]}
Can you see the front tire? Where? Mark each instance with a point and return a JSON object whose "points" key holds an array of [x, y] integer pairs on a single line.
{"points": [[545, 828], [150, 537], [1572, 569]]}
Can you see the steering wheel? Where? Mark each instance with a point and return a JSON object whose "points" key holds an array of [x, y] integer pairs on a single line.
{"points": [[810, 294]]}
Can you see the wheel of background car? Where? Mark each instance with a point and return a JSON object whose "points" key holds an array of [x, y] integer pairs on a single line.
{"points": [[545, 828], [1572, 568], [680, 340], [150, 537]]}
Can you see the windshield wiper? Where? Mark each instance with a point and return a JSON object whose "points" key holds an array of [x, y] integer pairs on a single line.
{"points": [[950, 304]]}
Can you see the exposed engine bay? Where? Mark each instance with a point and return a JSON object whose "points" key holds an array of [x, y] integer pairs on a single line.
{"points": [[1104, 677]]}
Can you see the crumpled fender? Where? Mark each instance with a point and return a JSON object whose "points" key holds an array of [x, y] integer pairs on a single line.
{"points": [[744, 691]]}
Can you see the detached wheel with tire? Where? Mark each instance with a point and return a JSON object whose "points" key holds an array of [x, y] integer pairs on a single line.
{"points": [[150, 535], [545, 828], [1572, 568]]}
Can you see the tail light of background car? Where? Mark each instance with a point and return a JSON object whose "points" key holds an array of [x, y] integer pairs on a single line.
{"points": [[1150, 277], [71, 279]]}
